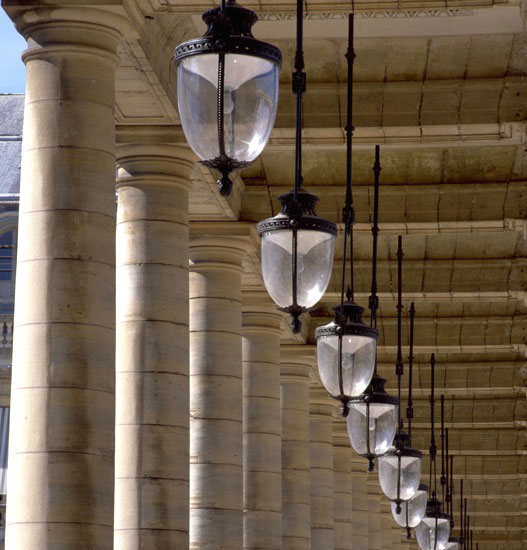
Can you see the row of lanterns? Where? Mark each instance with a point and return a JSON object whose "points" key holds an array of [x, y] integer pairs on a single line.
{"points": [[227, 99]]}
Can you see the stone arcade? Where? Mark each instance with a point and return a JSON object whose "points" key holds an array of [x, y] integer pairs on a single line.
{"points": [[158, 399]]}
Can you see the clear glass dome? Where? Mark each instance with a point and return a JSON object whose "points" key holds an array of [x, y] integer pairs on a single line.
{"points": [[250, 104], [314, 265], [452, 545], [358, 362], [408, 468], [433, 533], [412, 511], [379, 430]]}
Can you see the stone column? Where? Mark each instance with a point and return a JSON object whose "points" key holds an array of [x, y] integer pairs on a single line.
{"points": [[342, 494], [397, 534], [374, 512], [216, 432], [359, 503], [262, 441], [152, 393], [296, 497], [321, 408], [387, 522], [61, 450]]}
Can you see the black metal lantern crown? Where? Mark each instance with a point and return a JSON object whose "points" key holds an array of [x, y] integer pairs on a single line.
{"points": [[227, 90]]}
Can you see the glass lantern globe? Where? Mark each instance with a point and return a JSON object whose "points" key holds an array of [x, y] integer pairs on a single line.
{"points": [[297, 254], [413, 510], [454, 543], [227, 87], [346, 351], [372, 421], [400, 470], [434, 531]]}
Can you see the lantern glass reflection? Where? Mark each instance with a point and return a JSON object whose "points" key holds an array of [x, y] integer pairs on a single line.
{"points": [[314, 265], [358, 361], [371, 427], [413, 510], [249, 104], [433, 532], [394, 468]]}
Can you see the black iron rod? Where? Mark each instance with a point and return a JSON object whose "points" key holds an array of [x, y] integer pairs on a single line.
{"points": [[451, 490], [442, 479], [349, 214], [461, 509], [299, 88], [465, 535], [374, 300], [399, 360], [433, 449], [410, 406]]}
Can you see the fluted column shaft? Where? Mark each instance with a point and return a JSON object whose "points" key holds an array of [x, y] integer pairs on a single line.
{"points": [[321, 471], [359, 503], [342, 494], [262, 460], [152, 392], [374, 512], [216, 433], [296, 497], [61, 464]]}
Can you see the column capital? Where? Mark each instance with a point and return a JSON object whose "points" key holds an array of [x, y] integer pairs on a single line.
{"points": [[48, 29], [222, 249], [259, 318], [340, 440], [157, 163], [319, 397]]}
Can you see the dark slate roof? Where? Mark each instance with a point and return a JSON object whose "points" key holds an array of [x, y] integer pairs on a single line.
{"points": [[11, 114], [10, 153], [11, 118]]}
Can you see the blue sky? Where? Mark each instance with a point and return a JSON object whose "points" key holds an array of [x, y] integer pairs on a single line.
{"points": [[12, 70]]}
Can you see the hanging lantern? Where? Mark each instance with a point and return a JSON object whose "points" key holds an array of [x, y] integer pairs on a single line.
{"points": [[372, 421], [297, 254], [346, 350], [297, 245], [346, 347], [400, 471], [413, 510], [400, 467], [434, 531], [227, 87]]}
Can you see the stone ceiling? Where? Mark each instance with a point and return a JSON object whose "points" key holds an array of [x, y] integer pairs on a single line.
{"points": [[442, 87]]}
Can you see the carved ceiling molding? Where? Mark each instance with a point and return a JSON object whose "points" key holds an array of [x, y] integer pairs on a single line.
{"points": [[372, 14]]}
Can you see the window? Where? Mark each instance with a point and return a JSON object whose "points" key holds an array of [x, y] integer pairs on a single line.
{"points": [[7, 255]]}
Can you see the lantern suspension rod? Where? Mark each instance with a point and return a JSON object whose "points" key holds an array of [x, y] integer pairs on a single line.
{"points": [[449, 473], [374, 299], [433, 448], [461, 510], [471, 533], [451, 490], [399, 360], [410, 405], [299, 89], [465, 534], [348, 212], [467, 537], [442, 478]]}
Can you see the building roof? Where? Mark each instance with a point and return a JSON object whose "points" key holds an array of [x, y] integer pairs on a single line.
{"points": [[11, 115], [11, 121]]}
